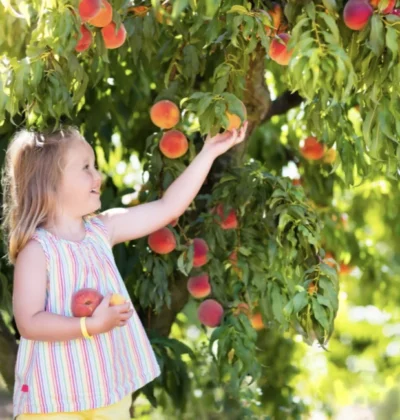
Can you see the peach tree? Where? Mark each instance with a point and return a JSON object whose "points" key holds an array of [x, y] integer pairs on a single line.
{"points": [[256, 257]]}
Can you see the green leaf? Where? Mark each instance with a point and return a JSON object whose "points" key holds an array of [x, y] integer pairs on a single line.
{"points": [[300, 301], [377, 35], [319, 314]]}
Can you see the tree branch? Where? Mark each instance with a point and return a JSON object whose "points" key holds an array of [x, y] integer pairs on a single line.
{"points": [[282, 104]]}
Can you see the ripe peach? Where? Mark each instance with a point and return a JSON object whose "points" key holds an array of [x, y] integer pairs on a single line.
{"points": [[312, 149], [257, 322], [242, 308], [85, 301], [296, 182], [139, 10], [199, 286], [389, 8], [233, 260], [345, 269], [200, 252], [234, 120], [162, 16], [165, 114], [104, 17], [233, 257], [85, 40], [210, 313], [226, 222], [162, 241], [88, 9], [278, 49], [276, 15], [329, 256], [330, 156], [113, 39], [396, 12], [173, 144], [117, 299], [356, 14], [312, 288]]}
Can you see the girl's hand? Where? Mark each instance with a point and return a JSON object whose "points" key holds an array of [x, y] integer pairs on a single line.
{"points": [[106, 317], [224, 141]]}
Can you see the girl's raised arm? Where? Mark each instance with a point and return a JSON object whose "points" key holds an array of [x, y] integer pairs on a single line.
{"points": [[125, 224]]}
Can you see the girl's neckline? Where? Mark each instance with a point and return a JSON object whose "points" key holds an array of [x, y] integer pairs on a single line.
{"points": [[57, 238]]}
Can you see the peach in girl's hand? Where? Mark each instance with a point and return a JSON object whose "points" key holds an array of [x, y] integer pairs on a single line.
{"points": [[85, 301], [117, 299]]}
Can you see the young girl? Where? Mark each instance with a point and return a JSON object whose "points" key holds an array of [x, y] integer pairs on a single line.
{"points": [[84, 368]]}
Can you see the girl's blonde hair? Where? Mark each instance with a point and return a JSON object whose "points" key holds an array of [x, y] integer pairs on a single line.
{"points": [[32, 172]]}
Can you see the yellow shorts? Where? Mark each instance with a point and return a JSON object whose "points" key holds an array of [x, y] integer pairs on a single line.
{"points": [[117, 411]]}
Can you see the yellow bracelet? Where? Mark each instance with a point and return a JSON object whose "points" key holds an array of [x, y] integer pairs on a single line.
{"points": [[84, 329]]}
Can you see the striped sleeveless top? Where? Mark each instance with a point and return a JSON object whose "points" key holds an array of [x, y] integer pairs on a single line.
{"points": [[81, 374]]}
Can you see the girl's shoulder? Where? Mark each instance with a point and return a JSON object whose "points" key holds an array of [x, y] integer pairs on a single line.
{"points": [[98, 223]]}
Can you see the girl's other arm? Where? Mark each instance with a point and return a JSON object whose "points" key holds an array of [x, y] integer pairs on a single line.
{"points": [[29, 295], [126, 224]]}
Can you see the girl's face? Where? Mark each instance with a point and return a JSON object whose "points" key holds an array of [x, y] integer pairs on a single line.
{"points": [[79, 193]]}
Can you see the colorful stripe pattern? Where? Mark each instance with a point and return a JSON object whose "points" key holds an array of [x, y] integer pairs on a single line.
{"points": [[81, 374]]}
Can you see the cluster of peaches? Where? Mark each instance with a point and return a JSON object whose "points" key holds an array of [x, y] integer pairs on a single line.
{"points": [[356, 13], [356, 16], [165, 114], [99, 13], [173, 144]]}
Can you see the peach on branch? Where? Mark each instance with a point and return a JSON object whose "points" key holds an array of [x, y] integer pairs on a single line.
{"points": [[234, 120], [389, 8], [200, 252], [228, 221], [242, 308], [173, 144], [380, 3], [276, 15], [85, 301], [278, 50], [88, 9], [356, 14], [312, 288], [165, 114], [85, 40], [199, 286], [312, 149], [330, 156], [139, 10], [256, 321], [210, 313], [104, 16], [396, 12], [296, 182], [112, 38], [162, 241], [328, 259], [345, 269], [233, 258]]}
